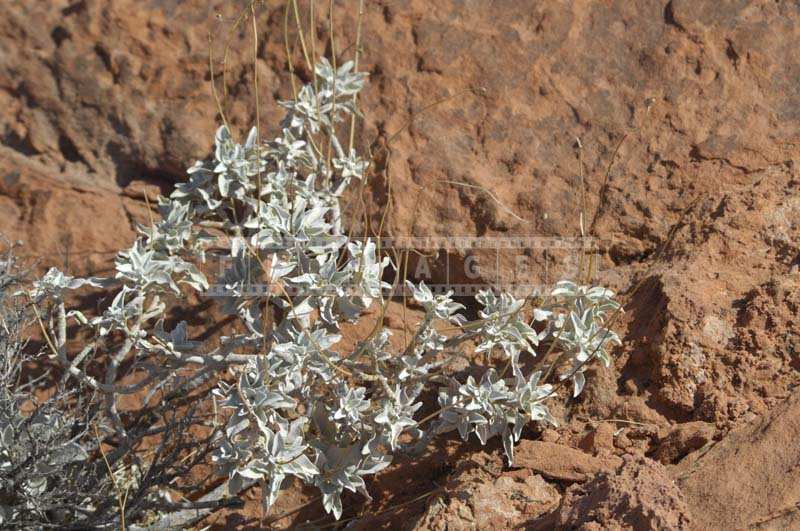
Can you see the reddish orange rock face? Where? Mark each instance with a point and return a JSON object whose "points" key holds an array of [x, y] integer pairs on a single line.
{"points": [[696, 104]]}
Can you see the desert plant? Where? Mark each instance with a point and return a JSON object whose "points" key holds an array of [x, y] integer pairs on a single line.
{"points": [[67, 459], [42, 439], [296, 405]]}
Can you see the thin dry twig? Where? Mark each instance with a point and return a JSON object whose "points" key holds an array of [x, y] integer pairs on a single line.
{"points": [[490, 194]]}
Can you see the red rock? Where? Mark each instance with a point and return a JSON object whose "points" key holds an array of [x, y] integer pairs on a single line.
{"points": [[600, 439], [750, 478], [559, 462], [640, 496], [98, 95], [683, 439], [475, 500]]}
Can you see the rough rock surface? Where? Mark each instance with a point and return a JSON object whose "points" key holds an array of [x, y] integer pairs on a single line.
{"points": [[750, 479], [559, 462], [682, 440], [599, 440], [696, 103], [639, 496], [477, 499]]}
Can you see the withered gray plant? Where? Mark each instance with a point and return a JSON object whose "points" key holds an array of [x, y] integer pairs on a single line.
{"points": [[43, 440], [295, 403], [54, 417]]}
